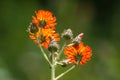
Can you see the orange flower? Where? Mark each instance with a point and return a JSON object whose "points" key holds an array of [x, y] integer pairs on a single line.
{"points": [[44, 19], [42, 28], [44, 36], [78, 53]]}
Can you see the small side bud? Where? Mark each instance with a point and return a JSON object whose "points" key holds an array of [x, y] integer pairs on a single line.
{"points": [[64, 63], [78, 39], [67, 34], [32, 28], [53, 46]]}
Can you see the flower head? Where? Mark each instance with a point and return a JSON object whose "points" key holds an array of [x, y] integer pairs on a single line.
{"points": [[44, 19], [78, 53], [44, 36]]}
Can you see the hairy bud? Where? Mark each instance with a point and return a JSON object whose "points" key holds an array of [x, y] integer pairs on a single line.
{"points": [[32, 28], [53, 46], [78, 39], [64, 63], [67, 34]]}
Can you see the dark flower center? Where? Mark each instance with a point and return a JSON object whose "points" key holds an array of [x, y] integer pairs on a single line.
{"points": [[78, 57], [42, 38], [42, 23]]}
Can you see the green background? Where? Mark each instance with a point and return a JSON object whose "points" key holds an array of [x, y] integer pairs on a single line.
{"points": [[99, 20]]}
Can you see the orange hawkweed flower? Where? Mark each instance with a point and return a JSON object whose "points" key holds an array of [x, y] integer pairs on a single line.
{"points": [[44, 19], [42, 28], [78, 53], [44, 36]]}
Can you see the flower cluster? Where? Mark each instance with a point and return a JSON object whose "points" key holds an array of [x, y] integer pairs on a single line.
{"points": [[76, 52], [42, 31], [42, 28]]}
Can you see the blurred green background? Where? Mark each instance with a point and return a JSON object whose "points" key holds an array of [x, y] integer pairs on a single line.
{"points": [[20, 58]]}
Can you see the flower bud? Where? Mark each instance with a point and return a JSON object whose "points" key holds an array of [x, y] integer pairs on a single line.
{"points": [[32, 28], [67, 34], [64, 63], [78, 39], [53, 46]]}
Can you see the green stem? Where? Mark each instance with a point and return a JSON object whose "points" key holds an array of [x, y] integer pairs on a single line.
{"points": [[45, 56], [53, 68], [62, 74], [61, 50]]}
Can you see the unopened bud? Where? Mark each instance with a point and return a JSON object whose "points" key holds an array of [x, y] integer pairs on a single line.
{"points": [[67, 34], [53, 46], [32, 28], [64, 63], [81, 35], [78, 39]]}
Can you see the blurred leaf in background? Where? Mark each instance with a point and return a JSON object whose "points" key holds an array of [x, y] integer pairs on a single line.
{"points": [[20, 58]]}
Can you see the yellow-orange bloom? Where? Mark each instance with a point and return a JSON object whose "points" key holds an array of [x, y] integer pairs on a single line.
{"points": [[44, 36], [44, 19], [78, 53]]}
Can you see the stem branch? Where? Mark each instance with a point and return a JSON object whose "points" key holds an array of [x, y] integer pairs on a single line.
{"points": [[45, 56], [62, 74], [61, 50]]}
